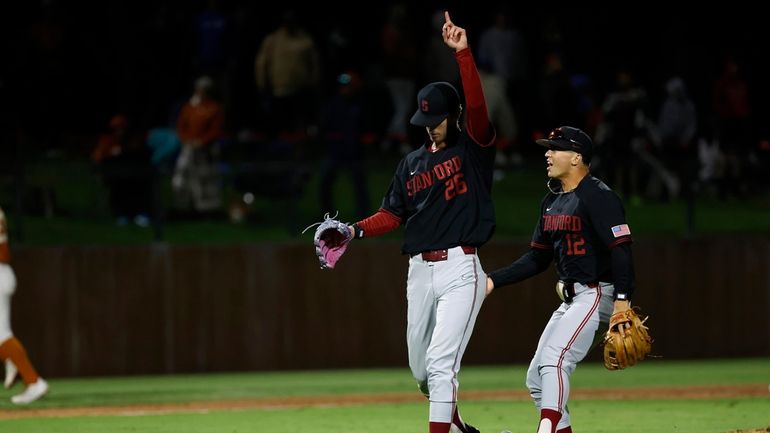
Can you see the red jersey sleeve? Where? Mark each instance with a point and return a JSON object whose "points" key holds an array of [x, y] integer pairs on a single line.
{"points": [[380, 223], [476, 113]]}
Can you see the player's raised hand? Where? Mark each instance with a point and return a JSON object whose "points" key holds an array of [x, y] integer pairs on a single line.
{"points": [[453, 35]]}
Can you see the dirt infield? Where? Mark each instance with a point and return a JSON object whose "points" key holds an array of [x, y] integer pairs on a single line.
{"points": [[656, 393]]}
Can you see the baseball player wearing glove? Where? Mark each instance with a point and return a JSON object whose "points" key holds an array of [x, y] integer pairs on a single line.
{"points": [[441, 193], [583, 228], [11, 349]]}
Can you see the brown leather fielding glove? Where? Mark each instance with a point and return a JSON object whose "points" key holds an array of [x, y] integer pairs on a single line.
{"points": [[621, 351]]}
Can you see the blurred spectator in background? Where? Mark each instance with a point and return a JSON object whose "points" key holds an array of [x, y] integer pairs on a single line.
{"points": [[439, 64], [588, 106], [399, 57], [500, 49], [288, 72], [731, 106], [342, 128], [196, 181], [711, 160], [501, 114], [558, 98], [111, 144], [164, 146], [212, 56], [123, 161], [677, 125], [622, 129]]}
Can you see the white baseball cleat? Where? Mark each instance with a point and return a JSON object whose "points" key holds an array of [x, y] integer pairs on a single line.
{"points": [[11, 372], [33, 392]]}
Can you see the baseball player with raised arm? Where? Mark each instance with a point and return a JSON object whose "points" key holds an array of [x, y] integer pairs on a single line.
{"points": [[11, 349], [583, 228], [441, 193]]}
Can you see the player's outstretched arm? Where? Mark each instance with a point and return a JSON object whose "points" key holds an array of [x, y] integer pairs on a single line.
{"points": [[378, 224], [533, 262], [477, 116]]}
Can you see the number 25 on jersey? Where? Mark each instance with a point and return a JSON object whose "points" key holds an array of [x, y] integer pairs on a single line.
{"points": [[455, 186]]}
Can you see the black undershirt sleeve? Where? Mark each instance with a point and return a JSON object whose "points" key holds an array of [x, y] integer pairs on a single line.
{"points": [[535, 261], [622, 270]]}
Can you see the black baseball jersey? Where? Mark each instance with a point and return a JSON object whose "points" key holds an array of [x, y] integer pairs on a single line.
{"points": [[444, 197], [581, 227]]}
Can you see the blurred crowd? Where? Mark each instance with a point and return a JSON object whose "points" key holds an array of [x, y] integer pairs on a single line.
{"points": [[262, 97]]}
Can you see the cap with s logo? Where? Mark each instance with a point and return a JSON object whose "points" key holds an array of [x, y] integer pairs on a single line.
{"points": [[435, 102]]}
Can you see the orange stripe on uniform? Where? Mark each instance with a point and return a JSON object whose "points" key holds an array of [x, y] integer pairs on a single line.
{"points": [[5, 254]]}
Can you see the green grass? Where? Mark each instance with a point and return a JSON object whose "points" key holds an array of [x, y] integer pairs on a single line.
{"points": [[689, 416], [199, 387], [594, 415], [493, 416], [84, 213], [656, 372]]}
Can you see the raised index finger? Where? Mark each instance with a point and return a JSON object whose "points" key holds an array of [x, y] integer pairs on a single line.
{"points": [[446, 17]]}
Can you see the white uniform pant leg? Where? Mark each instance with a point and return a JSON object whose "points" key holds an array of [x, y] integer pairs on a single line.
{"points": [[7, 287], [534, 383], [420, 318], [460, 284], [569, 342]]}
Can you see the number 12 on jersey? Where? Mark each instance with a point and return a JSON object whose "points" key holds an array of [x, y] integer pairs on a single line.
{"points": [[575, 244]]}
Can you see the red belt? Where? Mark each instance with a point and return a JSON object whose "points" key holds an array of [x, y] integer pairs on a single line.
{"points": [[441, 255]]}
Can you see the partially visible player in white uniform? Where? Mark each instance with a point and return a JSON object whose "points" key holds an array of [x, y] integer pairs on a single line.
{"points": [[441, 193], [583, 229], [12, 352]]}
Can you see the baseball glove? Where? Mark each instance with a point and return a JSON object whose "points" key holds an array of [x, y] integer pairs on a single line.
{"points": [[621, 351], [330, 240]]}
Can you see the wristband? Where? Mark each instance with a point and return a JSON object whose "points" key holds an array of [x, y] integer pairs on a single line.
{"points": [[358, 232]]}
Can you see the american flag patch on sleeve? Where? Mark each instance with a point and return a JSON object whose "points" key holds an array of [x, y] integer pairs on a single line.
{"points": [[621, 230]]}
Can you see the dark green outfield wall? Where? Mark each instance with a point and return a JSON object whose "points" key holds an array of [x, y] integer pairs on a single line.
{"points": [[162, 309]]}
